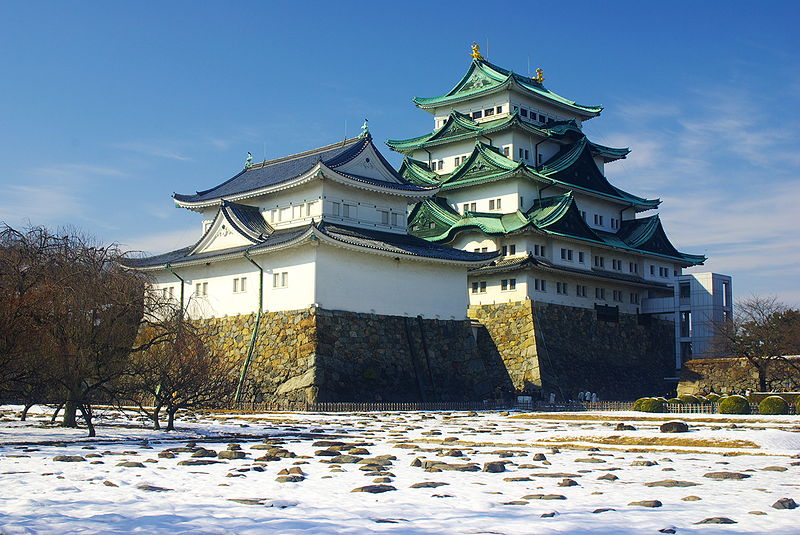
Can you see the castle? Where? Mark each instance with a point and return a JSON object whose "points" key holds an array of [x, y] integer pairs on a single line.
{"points": [[498, 258]]}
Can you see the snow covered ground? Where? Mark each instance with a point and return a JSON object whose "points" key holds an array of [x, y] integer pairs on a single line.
{"points": [[551, 473]]}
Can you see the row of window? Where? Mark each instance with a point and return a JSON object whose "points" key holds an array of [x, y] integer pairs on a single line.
{"points": [[487, 112], [599, 220], [562, 288], [566, 254], [289, 213], [532, 115]]}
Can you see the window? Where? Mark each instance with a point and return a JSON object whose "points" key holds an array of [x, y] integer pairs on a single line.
{"points": [[652, 269], [473, 206], [506, 150], [580, 257], [600, 293], [527, 154], [601, 221], [686, 351], [521, 202], [484, 249], [431, 225], [477, 114], [385, 216], [335, 208], [539, 158], [475, 286], [538, 250], [521, 152], [617, 296], [499, 109], [395, 219], [509, 249], [297, 211], [483, 286], [686, 324], [633, 267], [634, 298], [616, 264], [685, 290], [583, 214], [596, 219], [614, 223], [566, 254], [280, 280], [599, 261], [561, 287], [542, 118], [171, 291], [580, 290], [497, 203], [507, 285], [726, 294], [491, 204], [200, 289], [488, 111], [273, 216], [349, 210], [240, 285], [441, 164], [523, 112]]}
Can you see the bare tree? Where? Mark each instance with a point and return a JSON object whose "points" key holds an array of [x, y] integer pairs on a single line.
{"points": [[178, 372], [763, 330]]}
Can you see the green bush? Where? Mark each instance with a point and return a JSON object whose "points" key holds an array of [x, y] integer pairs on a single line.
{"points": [[676, 401], [773, 405], [637, 405], [734, 405], [690, 399], [713, 398], [653, 405]]}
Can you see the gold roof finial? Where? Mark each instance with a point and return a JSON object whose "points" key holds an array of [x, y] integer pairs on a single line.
{"points": [[476, 51], [539, 78]]}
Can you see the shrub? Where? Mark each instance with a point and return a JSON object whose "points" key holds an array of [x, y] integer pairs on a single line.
{"points": [[773, 405], [690, 399], [653, 405], [734, 405], [676, 401], [637, 405], [713, 398]]}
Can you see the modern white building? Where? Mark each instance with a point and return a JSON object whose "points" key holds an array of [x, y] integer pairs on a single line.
{"points": [[325, 228]]}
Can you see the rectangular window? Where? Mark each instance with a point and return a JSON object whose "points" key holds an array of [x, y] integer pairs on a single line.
{"points": [[580, 290], [273, 216], [521, 202], [583, 214], [596, 219], [512, 284], [477, 114], [335, 208], [563, 254], [504, 249], [617, 295], [601, 221], [633, 268], [441, 164], [599, 261], [523, 112], [499, 109], [285, 214], [484, 249], [491, 204], [483, 287], [685, 290], [580, 257], [539, 159], [504, 285], [498, 203], [385, 217], [726, 299], [652, 269], [475, 287], [346, 210], [540, 284], [542, 118], [600, 293], [561, 287], [488, 111], [634, 298], [512, 249], [240, 285], [297, 211], [395, 219], [505, 151], [527, 154], [280, 280], [686, 324], [201, 289], [521, 152], [473, 207]]}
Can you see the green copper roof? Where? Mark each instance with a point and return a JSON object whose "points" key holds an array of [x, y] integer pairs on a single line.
{"points": [[483, 78], [485, 164], [419, 173], [435, 220]]}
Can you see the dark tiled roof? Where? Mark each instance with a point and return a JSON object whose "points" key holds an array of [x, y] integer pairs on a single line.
{"points": [[400, 243], [182, 255], [248, 217]]}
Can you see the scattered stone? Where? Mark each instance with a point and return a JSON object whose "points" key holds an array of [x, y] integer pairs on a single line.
{"points": [[232, 454], [516, 479], [202, 452], [720, 476], [110, 484], [756, 513], [382, 480], [326, 443], [289, 479], [785, 503], [671, 483], [766, 468], [428, 485], [539, 457], [516, 502], [152, 488], [544, 497], [345, 459], [603, 510], [166, 455], [667, 530], [374, 489], [567, 482], [647, 503], [691, 498], [548, 515], [248, 501], [453, 453], [624, 427], [197, 462], [494, 467], [326, 453], [590, 460], [644, 463], [717, 520], [608, 477], [68, 458], [131, 464], [675, 426]]}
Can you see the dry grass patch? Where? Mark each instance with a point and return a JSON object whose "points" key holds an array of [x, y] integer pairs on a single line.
{"points": [[664, 417], [657, 441]]}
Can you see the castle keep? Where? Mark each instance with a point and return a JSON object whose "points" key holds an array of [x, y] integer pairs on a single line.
{"points": [[499, 258]]}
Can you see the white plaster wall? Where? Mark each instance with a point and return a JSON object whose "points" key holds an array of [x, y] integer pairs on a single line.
{"points": [[382, 285], [477, 104], [367, 206], [292, 207], [222, 301], [541, 107], [508, 191]]}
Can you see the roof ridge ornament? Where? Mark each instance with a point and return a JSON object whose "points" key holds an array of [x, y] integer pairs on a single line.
{"points": [[364, 129], [476, 51], [249, 161], [539, 78]]}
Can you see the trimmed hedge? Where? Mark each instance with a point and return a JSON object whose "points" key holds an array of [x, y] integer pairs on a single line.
{"points": [[676, 401], [650, 405], [713, 398], [734, 405], [773, 405]]}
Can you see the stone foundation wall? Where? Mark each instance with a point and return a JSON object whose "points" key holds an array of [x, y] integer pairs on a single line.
{"points": [[561, 349], [737, 375], [321, 355]]}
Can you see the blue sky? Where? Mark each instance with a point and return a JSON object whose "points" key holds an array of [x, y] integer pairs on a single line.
{"points": [[109, 107]]}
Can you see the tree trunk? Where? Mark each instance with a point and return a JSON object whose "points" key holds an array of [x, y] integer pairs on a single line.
{"points": [[55, 414], [156, 411], [86, 411], [70, 413], [24, 415], [171, 418]]}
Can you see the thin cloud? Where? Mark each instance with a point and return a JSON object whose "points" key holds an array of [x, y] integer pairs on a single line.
{"points": [[153, 149]]}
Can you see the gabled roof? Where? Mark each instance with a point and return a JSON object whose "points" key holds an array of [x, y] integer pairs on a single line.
{"points": [[273, 173], [418, 172], [485, 164], [459, 127], [367, 240], [484, 78], [558, 215]]}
